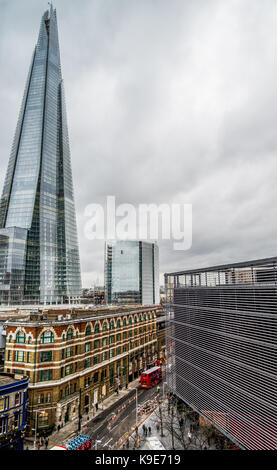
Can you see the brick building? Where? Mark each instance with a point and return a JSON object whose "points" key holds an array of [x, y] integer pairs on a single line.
{"points": [[75, 358]]}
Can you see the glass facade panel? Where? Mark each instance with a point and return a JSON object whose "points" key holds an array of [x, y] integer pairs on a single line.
{"points": [[132, 272], [37, 198]]}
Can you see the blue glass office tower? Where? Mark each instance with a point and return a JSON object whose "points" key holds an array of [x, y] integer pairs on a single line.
{"points": [[39, 255], [132, 273]]}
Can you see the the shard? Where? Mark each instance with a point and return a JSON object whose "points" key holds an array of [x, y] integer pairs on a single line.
{"points": [[39, 255]]}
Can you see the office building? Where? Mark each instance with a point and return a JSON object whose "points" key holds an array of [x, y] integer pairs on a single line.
{"points": [[39, 255], [132, 273], [221, 347]]}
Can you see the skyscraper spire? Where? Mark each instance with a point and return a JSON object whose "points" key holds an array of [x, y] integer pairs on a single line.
{"points": [[37, 197]]}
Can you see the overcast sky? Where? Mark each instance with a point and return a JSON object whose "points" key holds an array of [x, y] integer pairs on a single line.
{"points": [[167, 101]]}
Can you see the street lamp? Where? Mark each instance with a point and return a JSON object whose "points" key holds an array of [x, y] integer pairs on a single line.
{"points": [[41, 412], [97, 441], [164, 383], [136, 404]]}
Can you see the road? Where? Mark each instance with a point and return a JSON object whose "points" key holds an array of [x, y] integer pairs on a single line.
{"points": [[107, 431]]}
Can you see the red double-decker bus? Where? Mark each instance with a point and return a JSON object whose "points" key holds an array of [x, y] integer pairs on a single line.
{"points": [[151, 377]]}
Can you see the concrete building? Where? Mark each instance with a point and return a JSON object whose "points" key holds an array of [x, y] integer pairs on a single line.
{"points": [[221, 347]]}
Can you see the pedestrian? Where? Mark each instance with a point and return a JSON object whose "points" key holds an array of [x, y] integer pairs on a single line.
{"points": [[189, 436], [149, 430], [158, 427], [38, 445], [46, 442], [146, 431], [96, 406], [144, 428], [58, 427]]}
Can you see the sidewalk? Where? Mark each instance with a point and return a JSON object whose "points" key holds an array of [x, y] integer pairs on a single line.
{"points": [[70, 430], [151, 420]]}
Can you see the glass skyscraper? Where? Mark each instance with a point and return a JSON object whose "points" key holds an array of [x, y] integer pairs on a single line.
{"points": [[39, 255], [132, 273]]}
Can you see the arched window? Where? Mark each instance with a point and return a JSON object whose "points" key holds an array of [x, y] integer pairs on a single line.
{"points": [[88, 330], [140, 318], [29, 339], [118, 324], [20, 337], [105, 326], [145, 317], [111, 325], [130, 320], [69, 334], [10, 338], [124, 322], [136, 319], [97, 329], [47, 337]]}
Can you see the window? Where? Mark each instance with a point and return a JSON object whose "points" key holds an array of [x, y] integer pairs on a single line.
{"points": [[2, 404], [45, 375], [68, 370], [88, 330], [105, 327], [118, 324], [104, 356], [118, 351], [125, 335], [69, 352], [47, 337], [97, 329], [10, 339], [9, 355], [29, 339], [112, 325], [41, 398], [130, 321], [104, 342], [111, 339], [124, 322], [46, 356], [20, 337], [48, 397], [118, 337], [87, 363], [19, 356], [96, 344], [87, 347], [96, 360], [69, 335]]}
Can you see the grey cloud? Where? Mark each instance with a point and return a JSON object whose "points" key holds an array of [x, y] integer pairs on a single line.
{"points": [[167, 101]]}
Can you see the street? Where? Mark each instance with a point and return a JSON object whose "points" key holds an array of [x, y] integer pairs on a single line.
{"points": [[109, 427]]}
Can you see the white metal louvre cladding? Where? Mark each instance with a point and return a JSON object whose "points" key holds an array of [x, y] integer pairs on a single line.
{"points": [[222, 347]]}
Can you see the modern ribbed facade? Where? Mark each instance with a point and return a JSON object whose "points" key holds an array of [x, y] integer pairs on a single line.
{"points": [[222, 347], [132, 273], [39, 255]]}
